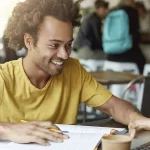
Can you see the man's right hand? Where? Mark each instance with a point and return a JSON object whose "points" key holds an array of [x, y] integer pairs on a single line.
{"points": [[36, 131]]}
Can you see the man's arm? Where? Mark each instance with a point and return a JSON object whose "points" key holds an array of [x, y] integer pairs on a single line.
{"points": [[120, 110], [125, 113], [35, 131]]}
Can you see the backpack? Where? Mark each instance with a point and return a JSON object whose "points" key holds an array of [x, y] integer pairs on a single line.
{"points": [[116, 37]]}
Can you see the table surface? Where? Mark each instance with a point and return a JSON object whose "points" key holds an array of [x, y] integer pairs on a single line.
{"points": [[140, 139], [110, 122], [113, 77]]}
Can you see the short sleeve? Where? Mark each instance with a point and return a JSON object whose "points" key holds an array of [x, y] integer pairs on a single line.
{"points": [[93, 93], [1, 87]]}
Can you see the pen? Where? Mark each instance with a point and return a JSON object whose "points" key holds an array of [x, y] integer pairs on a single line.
{"points": [[52, 129], [116, 132], [56, 130]]}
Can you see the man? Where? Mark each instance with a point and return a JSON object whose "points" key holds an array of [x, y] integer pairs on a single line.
{"points": [[88, 43], [47, 86]]}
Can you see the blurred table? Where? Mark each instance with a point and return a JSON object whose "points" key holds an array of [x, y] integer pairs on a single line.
{"points": [[113, 77]]}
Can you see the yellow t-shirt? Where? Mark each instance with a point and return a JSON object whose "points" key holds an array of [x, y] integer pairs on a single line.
{"points": [[58, 101]]}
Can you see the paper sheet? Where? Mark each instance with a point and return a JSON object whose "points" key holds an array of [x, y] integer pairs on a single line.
{"points": [[81, 137]]}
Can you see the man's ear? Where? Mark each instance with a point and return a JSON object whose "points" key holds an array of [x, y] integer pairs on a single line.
{"points": [[28, 40]]}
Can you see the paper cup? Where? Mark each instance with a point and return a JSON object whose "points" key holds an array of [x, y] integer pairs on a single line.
{"points": [[116, 142]]}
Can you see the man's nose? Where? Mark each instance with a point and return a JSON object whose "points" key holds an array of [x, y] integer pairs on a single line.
{"points": [[63, 53]]}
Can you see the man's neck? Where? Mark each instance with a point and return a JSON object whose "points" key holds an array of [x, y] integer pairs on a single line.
{"points": [[36, 76]]}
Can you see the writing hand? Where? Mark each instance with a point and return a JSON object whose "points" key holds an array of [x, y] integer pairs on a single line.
{"points": [[36, 131]]}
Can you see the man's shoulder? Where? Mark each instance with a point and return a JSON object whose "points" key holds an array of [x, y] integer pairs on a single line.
{"points": [[10, 66]]}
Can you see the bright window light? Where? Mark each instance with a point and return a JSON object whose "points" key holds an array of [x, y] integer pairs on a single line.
{"points": [[5, 2], [1, 35], [21, 0], [1, 46]]}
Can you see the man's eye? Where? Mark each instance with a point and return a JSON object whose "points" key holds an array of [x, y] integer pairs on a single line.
{"points": [[69, 45], [53, 46]]}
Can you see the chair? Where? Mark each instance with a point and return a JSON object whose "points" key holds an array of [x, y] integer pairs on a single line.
{"points": [[145, 104], [146, 69], [92, 64], [123, 67], [130, 84], [144, 100], [146, 72]]}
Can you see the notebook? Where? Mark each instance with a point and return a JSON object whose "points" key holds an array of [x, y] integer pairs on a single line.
{"points": [[81, 137]]}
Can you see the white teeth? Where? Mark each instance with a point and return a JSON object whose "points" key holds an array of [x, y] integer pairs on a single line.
{"points": [[57, 63]]}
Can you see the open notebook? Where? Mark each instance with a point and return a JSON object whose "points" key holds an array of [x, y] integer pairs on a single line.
{"points": [[81, 137]]}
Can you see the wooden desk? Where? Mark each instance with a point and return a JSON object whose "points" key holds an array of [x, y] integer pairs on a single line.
{"points": [[110, 122], [112, 77], [140, 139]]}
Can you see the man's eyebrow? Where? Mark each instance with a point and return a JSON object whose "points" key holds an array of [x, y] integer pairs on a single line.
{"points": [[60, 41]]}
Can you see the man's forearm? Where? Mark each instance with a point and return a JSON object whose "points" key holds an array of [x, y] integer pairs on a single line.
{"points": [[124, 112], [121, 110], [4, 127]]}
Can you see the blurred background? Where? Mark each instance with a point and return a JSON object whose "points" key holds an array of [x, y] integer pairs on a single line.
{"points": [[6, 7]]}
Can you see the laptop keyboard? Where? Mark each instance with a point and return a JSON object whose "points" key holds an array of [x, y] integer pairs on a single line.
{"points": [[143, 147]]}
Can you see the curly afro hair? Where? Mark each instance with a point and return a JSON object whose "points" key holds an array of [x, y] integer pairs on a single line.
{"points": [[28, 15]]}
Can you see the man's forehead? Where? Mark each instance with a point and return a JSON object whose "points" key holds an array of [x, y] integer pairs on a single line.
{"points": [[54, 25], [56, 30], [52, 20]]}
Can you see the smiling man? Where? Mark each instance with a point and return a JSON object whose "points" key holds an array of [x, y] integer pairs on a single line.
{"points": [[46, 87]]}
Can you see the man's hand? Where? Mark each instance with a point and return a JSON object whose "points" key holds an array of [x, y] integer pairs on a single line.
{"points": [[138, 123], [36, 131]]}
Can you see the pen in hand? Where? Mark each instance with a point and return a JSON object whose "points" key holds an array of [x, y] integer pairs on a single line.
{"points": [[59, 131], [52, 129]]}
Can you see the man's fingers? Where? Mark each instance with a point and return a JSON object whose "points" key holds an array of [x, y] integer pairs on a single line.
{"points": [[59, 135], [56, 134], [132, 130], [45, 124], [132, 133], [47, 136], [36, 139]]}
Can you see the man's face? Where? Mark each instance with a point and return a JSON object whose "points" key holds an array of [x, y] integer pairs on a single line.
{"points": [[53, 46], [102, 12]]}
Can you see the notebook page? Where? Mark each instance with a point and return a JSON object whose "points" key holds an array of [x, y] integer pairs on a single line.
{"points": [[86, 129], [81, 137], [76, 141]]}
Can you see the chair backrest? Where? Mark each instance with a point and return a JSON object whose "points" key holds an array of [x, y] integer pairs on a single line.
{"points": [[92, 64], [146, 69], [121, 66], [145, 107], [146, 72]]}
